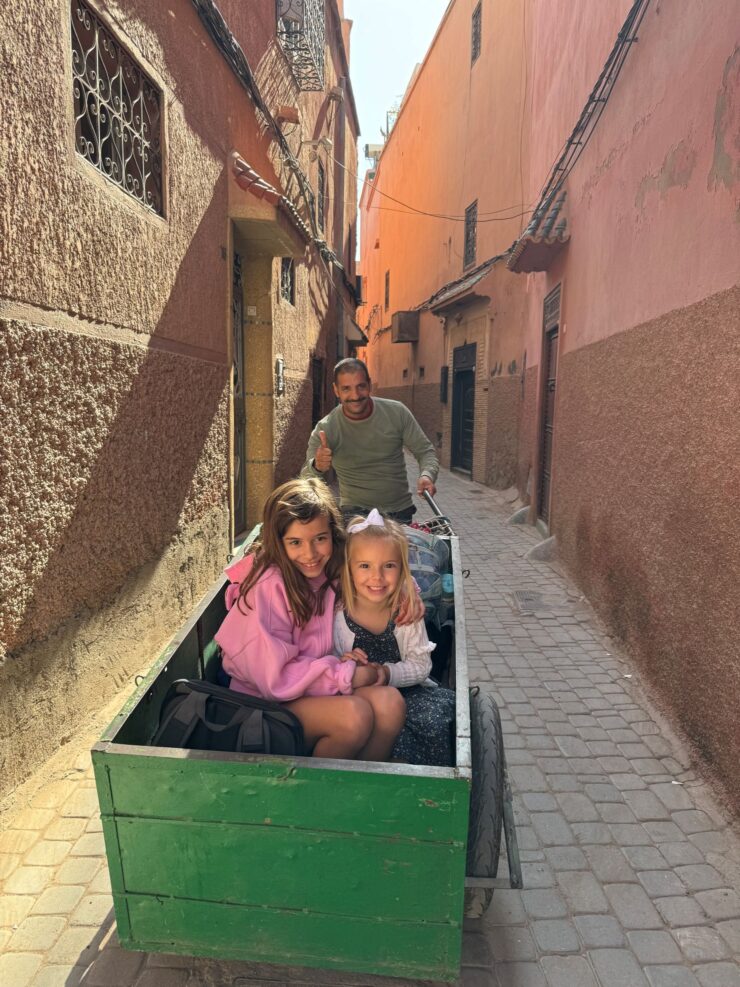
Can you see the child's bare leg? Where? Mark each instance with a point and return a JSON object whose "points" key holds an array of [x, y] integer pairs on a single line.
{"points": [[389, 709], [336, 726]]}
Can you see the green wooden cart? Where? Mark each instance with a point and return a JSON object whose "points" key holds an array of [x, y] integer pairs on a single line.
{"points": [[301, 861]]}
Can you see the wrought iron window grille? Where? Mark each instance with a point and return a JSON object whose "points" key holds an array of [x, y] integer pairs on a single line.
{"points": [[118, 111], [300, 33], [475, 27], [471, 234], [287, 279]]}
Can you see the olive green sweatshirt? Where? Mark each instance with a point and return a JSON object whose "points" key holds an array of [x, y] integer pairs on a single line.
{"points": [[367, 455]]}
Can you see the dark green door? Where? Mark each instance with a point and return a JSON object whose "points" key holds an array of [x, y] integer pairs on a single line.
{"points": [[463, 407]]}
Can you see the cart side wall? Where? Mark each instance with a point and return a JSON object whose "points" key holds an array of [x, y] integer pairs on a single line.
{"points": [[273, 861]]}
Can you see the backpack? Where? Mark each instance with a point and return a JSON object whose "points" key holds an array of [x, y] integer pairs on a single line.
{"points": [[197, 715], [429, 558]]}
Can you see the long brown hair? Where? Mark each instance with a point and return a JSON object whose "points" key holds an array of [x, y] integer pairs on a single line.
{"points": [[302, 501]]}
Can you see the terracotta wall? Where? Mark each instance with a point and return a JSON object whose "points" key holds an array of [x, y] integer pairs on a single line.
{"points": [[645, 450], [423, 165], [115, 333], [646, 484], [645, 455]]}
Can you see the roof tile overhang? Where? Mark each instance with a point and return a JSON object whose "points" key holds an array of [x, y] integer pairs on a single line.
{"points": [[457, 294], [539, 245], [251, 181]]}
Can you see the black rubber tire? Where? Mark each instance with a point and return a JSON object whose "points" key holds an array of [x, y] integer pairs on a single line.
{"points": [[486, 798]]}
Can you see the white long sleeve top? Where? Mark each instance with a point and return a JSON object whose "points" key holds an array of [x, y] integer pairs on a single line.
{"points": [[414, 647]]}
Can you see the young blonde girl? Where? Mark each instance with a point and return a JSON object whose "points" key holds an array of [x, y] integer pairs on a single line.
{"points": [[276, 639], [375, 576]]}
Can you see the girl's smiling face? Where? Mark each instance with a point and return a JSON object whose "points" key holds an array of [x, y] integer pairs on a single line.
{"points": [[375, 567], [309, 545]]}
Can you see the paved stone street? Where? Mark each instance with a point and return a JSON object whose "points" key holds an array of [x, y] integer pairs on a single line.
{"points": [[631, 872]]}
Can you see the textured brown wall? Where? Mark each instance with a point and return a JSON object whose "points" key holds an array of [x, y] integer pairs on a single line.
{"points": [[646, 488], [502, 430], [527, 447], [114, 463]]}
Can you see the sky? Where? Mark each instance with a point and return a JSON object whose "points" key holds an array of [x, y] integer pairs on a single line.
{"points": [[388, 38]]}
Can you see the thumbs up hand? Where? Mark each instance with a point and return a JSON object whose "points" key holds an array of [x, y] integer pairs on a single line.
{"points": [[322, 458]]}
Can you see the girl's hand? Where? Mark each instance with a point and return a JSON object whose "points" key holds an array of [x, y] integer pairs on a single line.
{"points": [[356, 654], [364, 675], [384, 674], [410, 611]]}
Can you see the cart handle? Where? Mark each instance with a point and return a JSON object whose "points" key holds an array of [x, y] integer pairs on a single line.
{"points": [[432, 503]]}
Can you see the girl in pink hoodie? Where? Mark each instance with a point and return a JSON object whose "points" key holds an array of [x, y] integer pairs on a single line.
{"points": [[277, 636]]}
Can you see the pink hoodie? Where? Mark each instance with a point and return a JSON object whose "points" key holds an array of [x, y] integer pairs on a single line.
{"points": [[266, 654]]}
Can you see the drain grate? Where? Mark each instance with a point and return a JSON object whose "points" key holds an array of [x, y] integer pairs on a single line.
{"points": [[527, 601]]}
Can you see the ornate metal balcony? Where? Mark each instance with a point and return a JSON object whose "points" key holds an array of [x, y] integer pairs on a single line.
{"points": [[300, 31]]}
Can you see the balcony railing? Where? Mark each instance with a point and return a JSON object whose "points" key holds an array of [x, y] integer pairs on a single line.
{"points": [[300, 31]]}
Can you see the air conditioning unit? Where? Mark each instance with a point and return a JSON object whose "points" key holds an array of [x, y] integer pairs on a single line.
{"points": [[373, 151], [405, 327]]}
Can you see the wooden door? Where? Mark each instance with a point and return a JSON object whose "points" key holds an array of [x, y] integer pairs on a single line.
{"points": [[463, 407], [240, 417], [547, 423]]}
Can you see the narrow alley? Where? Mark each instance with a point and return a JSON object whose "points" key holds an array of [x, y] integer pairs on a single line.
{"points": [[631, 871]]}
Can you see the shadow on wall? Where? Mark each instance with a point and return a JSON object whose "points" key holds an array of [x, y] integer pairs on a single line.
{"points": [[128, 447], [292, 429]]}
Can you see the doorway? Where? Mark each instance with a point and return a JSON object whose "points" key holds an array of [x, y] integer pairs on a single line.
{"points": [[463, 407], [551, 320], [237, 384]]}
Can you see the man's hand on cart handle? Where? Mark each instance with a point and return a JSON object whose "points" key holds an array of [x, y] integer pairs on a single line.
{"points": [[424, 483], [322, 458]]}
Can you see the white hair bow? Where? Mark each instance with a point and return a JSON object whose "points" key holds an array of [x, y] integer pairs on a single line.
{"points": [[373, 518]]}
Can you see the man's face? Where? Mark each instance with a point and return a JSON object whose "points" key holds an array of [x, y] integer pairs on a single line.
{"points": [[353, 391]]}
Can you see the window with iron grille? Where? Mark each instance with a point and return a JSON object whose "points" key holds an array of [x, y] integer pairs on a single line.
{"points": [[301, 35], [287, 279], [387, 290], [118, 110], [471, 233], [475, 34], [321, 198]]}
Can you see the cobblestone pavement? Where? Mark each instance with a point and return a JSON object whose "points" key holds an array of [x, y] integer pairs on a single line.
{"points": [[631, 871]]}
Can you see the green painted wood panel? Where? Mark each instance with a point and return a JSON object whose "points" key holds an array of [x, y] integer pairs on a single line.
{"points": [[366, 945], [286, 793], [342, 874]]}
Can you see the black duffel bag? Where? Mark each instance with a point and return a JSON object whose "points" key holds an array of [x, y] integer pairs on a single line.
{"points": [[200, 716]]}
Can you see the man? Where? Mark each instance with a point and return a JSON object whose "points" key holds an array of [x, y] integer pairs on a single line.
{"points": [[363, 441]]}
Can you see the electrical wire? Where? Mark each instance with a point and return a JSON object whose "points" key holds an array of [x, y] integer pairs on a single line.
{"points": [[413, 209]]}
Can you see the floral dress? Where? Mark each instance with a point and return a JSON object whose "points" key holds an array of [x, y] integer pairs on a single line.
{"points": [[427, 737]]}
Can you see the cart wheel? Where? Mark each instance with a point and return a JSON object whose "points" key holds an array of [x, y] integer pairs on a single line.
{"points": [[486, 798]]}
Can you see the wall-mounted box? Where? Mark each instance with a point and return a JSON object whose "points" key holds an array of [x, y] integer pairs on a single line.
{"points": [[405, 327]]}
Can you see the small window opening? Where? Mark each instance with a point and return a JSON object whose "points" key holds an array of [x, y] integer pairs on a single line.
{"points": [[387, 290], [475, 35], [471, 233], [287, 279]]}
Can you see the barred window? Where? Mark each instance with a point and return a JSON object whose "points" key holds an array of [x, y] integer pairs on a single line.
{"points": [[387, 290], [287, 279], [471, 233], [118, 111], [321, 197], [475, 34]]}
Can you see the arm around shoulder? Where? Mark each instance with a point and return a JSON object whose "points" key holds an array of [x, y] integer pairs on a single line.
{"points": [[416, 651]]}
